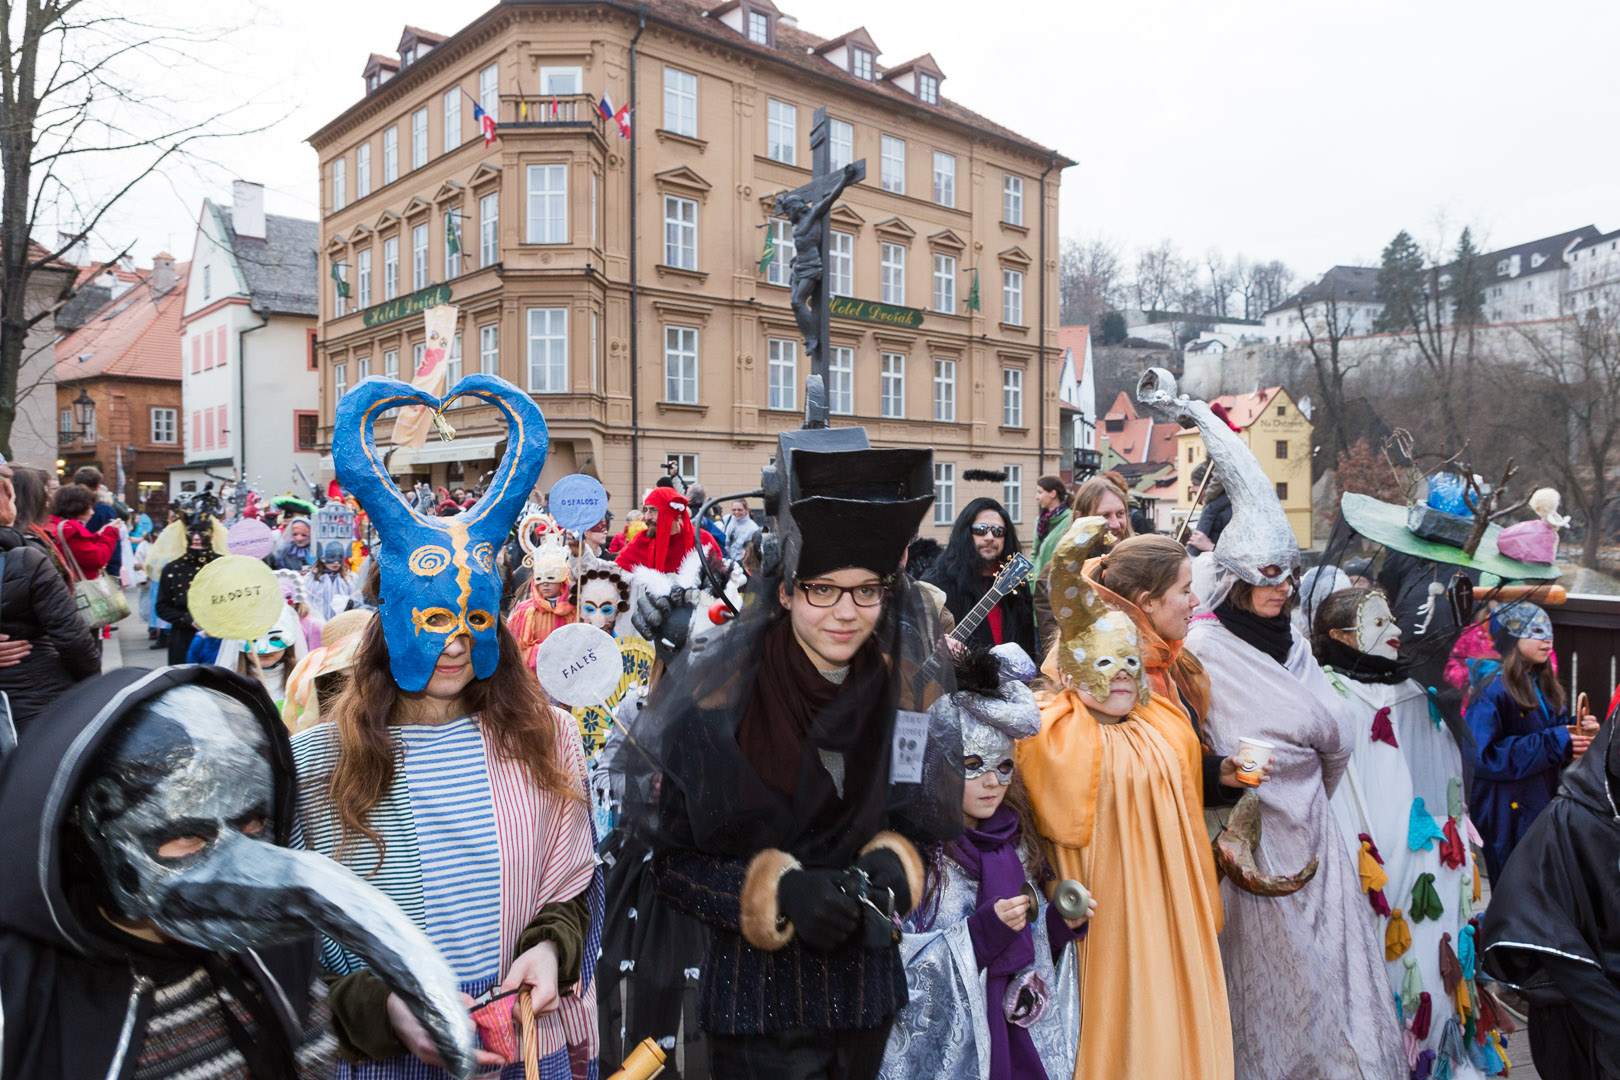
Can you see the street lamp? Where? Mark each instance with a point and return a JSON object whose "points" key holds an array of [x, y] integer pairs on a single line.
{"points": [[84, 412]]}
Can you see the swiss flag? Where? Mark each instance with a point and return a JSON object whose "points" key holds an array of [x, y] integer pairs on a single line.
{"points": [[622, 118]]}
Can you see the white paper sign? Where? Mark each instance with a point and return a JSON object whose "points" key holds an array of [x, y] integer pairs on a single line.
{"points": [[579, 665], [910, 740]]}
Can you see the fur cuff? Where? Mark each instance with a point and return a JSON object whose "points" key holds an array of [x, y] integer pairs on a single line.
{"points": [[763, 925], [906, 852]]}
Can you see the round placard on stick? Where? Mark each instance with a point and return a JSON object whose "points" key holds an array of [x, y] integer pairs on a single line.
{"points": [[250, 537], [579, 665], [235, 596], [577, 502]]}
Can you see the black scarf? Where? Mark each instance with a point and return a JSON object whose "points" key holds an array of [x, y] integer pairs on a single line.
{"points": [[1273, 636], [1044, 526], [1360, 666]]}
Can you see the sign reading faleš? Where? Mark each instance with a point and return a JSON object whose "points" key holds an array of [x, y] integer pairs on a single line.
{"points": [[405, 306], [873, 312]]}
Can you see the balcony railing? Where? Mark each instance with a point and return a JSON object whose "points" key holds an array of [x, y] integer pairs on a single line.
{"points": [[561, 111], [1586, 635]]}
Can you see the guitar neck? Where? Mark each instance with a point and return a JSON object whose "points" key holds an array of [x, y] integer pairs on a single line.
{"points": [[981, 610]]}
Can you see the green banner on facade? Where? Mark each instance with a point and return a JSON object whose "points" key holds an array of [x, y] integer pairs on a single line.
{"points": [[873, 312], [405, 306]]}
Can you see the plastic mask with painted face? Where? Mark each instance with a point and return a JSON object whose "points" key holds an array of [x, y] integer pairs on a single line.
{"points": [[599, 600], [1377, 633], [1095, 643]]}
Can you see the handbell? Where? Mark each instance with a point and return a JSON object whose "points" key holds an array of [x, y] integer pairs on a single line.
{"points": [[1071, 899]]}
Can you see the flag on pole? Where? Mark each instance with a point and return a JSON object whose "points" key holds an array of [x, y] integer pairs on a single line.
{"points": [[622, 118], [337, 276], [768, 256], [452, 235], [411, 426], [485, 122], [973, 293], [605, 106], [556, 110]]}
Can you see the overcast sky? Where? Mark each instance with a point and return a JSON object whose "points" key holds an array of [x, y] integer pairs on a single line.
{"points": [[1305, 131]]}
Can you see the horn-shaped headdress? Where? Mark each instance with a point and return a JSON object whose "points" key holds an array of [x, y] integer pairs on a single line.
{"points": [[1258, 544], [438, 574], [1096, 644]]}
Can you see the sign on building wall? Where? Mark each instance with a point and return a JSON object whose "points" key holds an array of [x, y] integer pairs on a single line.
{"points": [[873, 312], [406, 306]]}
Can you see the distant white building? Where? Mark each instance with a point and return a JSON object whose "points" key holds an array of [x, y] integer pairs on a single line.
{"points": [[1077, 390], [1527, 282], [250, 388], [1593, 277], [1345, 301]]}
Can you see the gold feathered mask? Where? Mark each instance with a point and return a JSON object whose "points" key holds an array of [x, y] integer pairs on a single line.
{"points": [[1095, 642]]}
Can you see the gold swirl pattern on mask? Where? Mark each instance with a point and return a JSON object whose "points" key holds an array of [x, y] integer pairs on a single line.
{"points": [[484, 555], [429, 559]]}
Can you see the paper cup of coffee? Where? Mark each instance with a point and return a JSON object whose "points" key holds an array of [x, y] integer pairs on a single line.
{"points": [[1252, 756]]}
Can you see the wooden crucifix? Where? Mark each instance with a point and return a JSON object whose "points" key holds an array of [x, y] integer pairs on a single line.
{"points": [[806, 208]]}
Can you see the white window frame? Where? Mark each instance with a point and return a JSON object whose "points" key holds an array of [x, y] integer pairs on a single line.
{"points": [[452, 363], [489, 349], [892, 383], [1012, 494], [680, 232], [685, 464], [841, 263], [1012, 199], [362, 262], [944, 178], [945, 283], [390, 139], [782, 374], [489, 90], [340, 381], [945, 389], [391, 267], [551, 369], [362, 170], [782, 131], [391, 364], [362, 368], [553, 78], [419, 256], [840, 142], [894, 273], [340, 184], [547, 218], [778, 273], [419, 138], [894, 164], [1012, 297], [758, 28], [452, 118], [489, 229], [1012, 397], [944, 493], [860, 62], [927, 88], [681, 365], [680, 102], [418, 354], [841, 381], [165, 425]]}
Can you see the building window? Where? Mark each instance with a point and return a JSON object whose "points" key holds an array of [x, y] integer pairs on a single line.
{"points": [[362, 170], [944, 179], [418, 354], [452, 363], [164, 425], [454, 239], [208, 281], [452, 118], [196, 353], [419, 256], [548, 350], [686, 465], [782, 132], [840, 142], [338, 285], [1012, 493], [894, 386], [340, 380], [362, 368], [1189, 455], [1012, 199], [894, 164], [860, 63], [1282, 410], [489, 230], [945, 390], [680, 102], [841, 376], [680, 365], [759, 28], [894, 274], [1012, 397], [1282, 489], [783, 375], [945, 283], [1282, 449], [595, 354], [1012, 297], [841, 264], [489, 349], [944, 493], [927, 88], [390, 268], [778, 272], [489, 90], [208, 430], [561, 81], [391, 363], [548, 204], [340, 184], [66, 429], [680, 232], [391, 154], [306, 427]]}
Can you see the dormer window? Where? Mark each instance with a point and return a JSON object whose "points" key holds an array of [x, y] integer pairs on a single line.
{"points": [[860, 63], [1537, 259], [927, 88], [759, 28]]}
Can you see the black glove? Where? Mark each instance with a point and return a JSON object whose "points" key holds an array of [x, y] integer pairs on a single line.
{"points": [[822, 915], [884, 869]]}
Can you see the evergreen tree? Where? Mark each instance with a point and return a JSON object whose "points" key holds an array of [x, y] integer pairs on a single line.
{"points": [[1467, 284]]}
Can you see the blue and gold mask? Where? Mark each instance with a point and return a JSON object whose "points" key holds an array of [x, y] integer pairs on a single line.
{"points": [[438, 574]]}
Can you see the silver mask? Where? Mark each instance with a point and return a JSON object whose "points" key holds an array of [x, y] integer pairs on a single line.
{"points": [[992, 723]]}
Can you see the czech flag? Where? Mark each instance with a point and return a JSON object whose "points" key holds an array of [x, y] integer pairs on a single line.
{"points": [[605, 106], [485, 122]]}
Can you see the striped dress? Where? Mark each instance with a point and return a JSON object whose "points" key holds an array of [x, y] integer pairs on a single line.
{"points": [[474, 851]]}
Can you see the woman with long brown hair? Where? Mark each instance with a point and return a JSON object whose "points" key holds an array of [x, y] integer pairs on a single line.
{"points": [[1102, 497]]}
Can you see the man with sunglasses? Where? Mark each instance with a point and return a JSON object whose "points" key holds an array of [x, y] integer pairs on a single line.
{"points": [[981, 540]]}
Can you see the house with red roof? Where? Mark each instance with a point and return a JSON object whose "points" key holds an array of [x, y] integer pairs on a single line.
{"points": [[1271, 424], [118, 387]]}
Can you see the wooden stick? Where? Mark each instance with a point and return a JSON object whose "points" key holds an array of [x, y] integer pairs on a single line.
{"points": [[1181, 533]]}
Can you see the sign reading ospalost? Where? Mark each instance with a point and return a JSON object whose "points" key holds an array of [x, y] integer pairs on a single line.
{"points": [[404, 306], [873, 312]]}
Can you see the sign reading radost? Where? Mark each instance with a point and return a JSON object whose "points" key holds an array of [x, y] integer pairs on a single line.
{"points": [[405, 306], [873, 312]]}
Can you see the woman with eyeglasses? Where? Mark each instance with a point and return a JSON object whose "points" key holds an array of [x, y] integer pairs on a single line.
{"points": [[982, 539]]}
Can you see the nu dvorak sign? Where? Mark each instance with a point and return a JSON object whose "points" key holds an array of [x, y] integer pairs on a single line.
{"points": [[870, 311], [406, 306]]}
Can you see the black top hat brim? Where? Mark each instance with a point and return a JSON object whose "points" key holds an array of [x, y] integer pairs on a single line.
{"points": [[839, 534]]}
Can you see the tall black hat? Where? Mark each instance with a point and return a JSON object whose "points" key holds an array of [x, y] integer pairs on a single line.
{"points": [[852, 508]]}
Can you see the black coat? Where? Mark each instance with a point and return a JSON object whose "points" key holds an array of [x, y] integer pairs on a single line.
{"points": [[1217, 513], [37, 606], [1017, 610]]}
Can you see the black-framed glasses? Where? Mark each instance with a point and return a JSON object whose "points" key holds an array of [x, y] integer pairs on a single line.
{"points": [[997, 531], [824, 594]]}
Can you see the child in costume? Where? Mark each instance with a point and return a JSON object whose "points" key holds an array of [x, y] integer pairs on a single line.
{"points": [[548, 605], [330, 584], [1115, 778]]}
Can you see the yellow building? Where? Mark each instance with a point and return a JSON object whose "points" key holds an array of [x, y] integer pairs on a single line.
{"points": [[617, 279], [1278, 434]]}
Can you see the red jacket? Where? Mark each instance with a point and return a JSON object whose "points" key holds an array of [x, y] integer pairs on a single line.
{"points": [[91, 549], [639, 552]]}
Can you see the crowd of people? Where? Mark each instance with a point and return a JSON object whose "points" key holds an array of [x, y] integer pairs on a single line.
{"points": [[863, 805]]}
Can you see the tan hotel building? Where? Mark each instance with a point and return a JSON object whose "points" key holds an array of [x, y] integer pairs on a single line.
{"points": [[618, 280]]}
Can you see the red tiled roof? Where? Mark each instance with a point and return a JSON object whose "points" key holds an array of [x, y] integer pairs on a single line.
{"points": [[136, 335], [1245, 409], [1074, 337], [1122, 406], [1132, 441]]}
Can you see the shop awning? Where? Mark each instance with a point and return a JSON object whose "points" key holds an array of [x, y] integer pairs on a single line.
{"points": [[435, 451]]}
